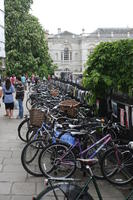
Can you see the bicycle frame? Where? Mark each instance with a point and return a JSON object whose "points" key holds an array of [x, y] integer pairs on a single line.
{"points": [[41, 130], [85, 187], [105, 140]]}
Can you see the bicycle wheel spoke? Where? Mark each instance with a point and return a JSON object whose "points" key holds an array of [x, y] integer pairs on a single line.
{"points": [[54, 161]]}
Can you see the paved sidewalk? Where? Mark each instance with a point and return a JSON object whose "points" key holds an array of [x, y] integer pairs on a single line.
{"points": [[15, 183]]}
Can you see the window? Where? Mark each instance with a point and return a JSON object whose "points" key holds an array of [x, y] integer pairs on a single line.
{"points": [[70, 55], [66, 54], [91, 50], [56, 56], [61, 55]]}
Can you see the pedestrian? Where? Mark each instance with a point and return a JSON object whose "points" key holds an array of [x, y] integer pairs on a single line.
{"points": [[49, 77], [28, 80], [33, 78], [8, 90], [0, 92], [37, 80], [20, 97], [23, 80], [13, 79]]}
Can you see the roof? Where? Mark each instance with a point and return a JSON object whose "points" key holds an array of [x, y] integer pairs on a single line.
{"points": [[65, 33], [114, 30]]}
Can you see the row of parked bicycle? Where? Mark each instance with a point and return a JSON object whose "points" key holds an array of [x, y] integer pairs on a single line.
{"points": [[62, 135]]}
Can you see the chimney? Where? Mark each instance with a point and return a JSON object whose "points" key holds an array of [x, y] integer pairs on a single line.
{"points": [[59, 30], [83, 30]]}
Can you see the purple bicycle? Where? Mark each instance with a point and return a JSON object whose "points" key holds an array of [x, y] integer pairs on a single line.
{"points": [[60, 159]]}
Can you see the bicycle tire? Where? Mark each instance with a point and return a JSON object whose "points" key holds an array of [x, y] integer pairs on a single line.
{"points": [[29, 163], [23, 128], [31, 133], [28, 104], [68, 192], [50, 164], [118, 173]]}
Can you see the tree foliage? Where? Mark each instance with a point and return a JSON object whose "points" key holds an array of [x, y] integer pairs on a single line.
{"points": [[110, 66], [26, 46]]}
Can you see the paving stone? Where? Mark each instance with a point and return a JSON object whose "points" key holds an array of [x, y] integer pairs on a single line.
{"points": [[5, 188], [23, 188], [5, 154], [1, 166], [16, 154], [22, 197], [12, 161], [12, 176], [4, 197], [34, 179], [13, 168], [1, 160]]}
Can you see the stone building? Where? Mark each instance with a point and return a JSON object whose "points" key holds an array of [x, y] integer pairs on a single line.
{"points": [[70, 51], [2, 35]]}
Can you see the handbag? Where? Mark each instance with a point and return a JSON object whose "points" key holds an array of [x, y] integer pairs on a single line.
{"points": [[16, 105]]}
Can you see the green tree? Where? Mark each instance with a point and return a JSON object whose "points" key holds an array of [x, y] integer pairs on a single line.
{"points": [[26, 45], [110, 66]]}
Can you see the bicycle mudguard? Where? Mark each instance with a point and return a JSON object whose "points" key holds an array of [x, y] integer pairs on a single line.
{"points": [[72, 191]]}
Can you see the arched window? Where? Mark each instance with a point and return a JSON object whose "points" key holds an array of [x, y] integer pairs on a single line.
{"points": [[66, 54], [91, 50]]}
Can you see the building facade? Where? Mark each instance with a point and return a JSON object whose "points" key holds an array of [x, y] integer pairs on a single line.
{"points": [[70, 51], [2, 34]]}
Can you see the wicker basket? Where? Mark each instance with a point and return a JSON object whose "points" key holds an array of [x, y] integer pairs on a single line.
{"points": [[69, 107], [37, 117], [54, 93]]}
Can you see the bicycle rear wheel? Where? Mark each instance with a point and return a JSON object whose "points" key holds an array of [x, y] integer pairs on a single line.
{"points": [[117, 165], [64, 191], [56, 161]]}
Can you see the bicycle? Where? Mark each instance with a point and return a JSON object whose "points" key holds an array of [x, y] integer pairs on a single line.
{"points": [[66, 190], [61, 157]]}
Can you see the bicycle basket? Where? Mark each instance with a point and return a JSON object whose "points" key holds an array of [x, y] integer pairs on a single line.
{"points": [[69, 107], [37, 117], [54, 93]]}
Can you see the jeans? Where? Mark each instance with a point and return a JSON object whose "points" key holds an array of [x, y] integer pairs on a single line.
{"points": [[21, 110]]}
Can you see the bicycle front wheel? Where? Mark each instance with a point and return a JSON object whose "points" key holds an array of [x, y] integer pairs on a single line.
{"points": [[117, 165], [23, 128], [64, 191], [57, 161], [29, 156]]}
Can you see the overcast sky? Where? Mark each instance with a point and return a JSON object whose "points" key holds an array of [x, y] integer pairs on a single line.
{"points": [[74, 15]]}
